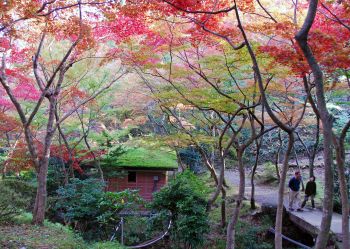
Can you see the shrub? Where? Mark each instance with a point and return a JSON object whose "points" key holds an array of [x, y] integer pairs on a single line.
{"points": [[79, 199], [269, 173], [25, 189], [184, 198], [11, 203], [92, 211], [112, 203], [252, 237]]}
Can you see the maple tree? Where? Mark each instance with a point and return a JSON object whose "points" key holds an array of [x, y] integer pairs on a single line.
{"points": [[73, 38], [210, 17], [218, 74]]}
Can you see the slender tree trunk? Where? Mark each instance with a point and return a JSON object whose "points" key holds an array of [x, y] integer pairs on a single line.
{"points": [[344, 199], [179, 161], [327, 123], [340, 157], [230, 240], [299, 168], [323, 235], [220, 181], [313, 153], [315, 148], [277, 159], [41, 194], [223, 207], [280, 206], [252, 182]]}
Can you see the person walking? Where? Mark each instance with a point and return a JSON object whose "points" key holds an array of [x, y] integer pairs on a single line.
{"points": [[294, 188], [310, 192]]}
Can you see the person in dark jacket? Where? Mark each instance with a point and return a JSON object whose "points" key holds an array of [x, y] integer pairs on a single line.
{"points": [[310, 192], [294, 187]]}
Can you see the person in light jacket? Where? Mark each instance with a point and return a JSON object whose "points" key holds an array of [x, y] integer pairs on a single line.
{"points": [[294, 191]]}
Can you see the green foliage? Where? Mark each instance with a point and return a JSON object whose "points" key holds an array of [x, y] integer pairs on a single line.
{"points": [[79, 199], [184, 198], [93, 211], [15, 197], [107, 245], [143, 157], [269, 173], [252, 237], [110, 159], [3, 157], [11, 203], [21, 234], [113, 202], [23, 188], [55, 175], [138, 229]]}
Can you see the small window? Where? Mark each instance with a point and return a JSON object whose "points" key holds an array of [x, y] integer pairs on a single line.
{"points": [[131, 176]]}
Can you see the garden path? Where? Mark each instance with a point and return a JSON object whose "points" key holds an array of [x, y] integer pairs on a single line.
{"points": [[268, 194]]}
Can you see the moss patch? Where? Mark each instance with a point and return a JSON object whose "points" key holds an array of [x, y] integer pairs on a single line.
{"points": [[20, 233], [29, 236], [147, 158]]}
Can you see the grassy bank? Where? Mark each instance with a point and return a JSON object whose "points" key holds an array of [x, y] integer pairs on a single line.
{"points": [[21, 233]]}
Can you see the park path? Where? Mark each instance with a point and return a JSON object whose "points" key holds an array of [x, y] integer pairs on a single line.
{"points": [[309, 219], [263, 193], [314, 217]]}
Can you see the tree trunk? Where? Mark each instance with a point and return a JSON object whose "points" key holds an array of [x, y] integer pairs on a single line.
{"points": [[179, 161], [219, 182], [327, 123], [277, 159], [340, 157], [280, 206], [299, 168], [252, 182], [315, 148], [223, 207], [41, 194], [230, 240], [344, 200], [312, 155], [323, 235]]}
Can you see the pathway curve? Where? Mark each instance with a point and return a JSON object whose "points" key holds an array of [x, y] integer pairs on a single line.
{"points": [[263, 193], [309, 219]]}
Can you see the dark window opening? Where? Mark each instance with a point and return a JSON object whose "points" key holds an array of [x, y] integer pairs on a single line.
{"points": [[131, 176]]}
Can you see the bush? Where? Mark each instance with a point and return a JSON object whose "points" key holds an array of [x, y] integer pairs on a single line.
{"points": [[77, 204], [252, 237], [269, 173], [11, 202], [184, 198], [112, 203], [25, 189], [92, 211]]}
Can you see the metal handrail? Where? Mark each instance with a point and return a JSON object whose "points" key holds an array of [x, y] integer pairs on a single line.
{"points": [[290, 240]]}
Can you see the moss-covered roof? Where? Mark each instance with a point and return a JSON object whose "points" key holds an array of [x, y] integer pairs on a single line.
{"points": [[147, 158]]}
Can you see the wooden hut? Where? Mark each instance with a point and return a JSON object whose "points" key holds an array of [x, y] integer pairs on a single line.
{"points": [[143, 169]]}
